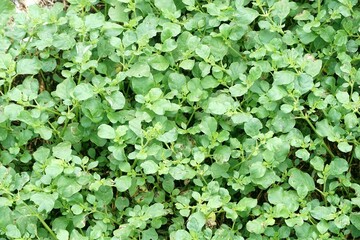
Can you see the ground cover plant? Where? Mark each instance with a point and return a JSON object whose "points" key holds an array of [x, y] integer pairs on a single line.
{"points": [[180, 119]]}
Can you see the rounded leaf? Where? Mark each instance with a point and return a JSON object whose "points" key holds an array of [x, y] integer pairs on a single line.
{"points": [[106, 132]]}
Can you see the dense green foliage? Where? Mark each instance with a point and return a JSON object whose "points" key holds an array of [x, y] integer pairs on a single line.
{"points": [[180, 119]]}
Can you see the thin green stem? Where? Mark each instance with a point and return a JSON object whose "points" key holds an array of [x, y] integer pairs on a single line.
{"points": [[95, 9], [46, 226], [324, 190], [235, 51], [306, 118], [11, 81], [203, 179], [322, 193], [191, 117], [266, 15], [79, 79]]}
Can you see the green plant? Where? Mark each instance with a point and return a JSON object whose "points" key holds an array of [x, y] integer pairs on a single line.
{"points": [[158, 119]]}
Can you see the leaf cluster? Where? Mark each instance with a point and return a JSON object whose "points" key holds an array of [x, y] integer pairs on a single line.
{"points": [[180, 119]]}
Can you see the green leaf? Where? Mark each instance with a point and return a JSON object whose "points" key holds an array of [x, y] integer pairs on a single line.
{"points": [[45, 201], [321, 212], [246, 15], [169, 45], [62, 150], [255, 226], [241, 117], [44, 132], [155, 210], [104, 194], [351, 120], [208, 126], [142, 85], [303, 83], [6, 60], [222, 154], [106, 132], [149, 167], [289, 199], [302, 182], [139, 69], [267, 180], [253, 127], [220, 104], [355, 220], [305, 37], [67, 186], [238, 90], [215, 202], [12, 231], [169, 136], [343, 97], [327, 33], [203, 51], [64, 89], [148, 28], [182, 172], [187, 64], [83, 91], [149, 234], [63, 41], [165, 5], [276, 93], [283, 122], [342, 221], [322, 226], [281, 9], [54, 169], [303, 154], [317, 163], [41, 154], [313, 67], [123, 183], [28, 66], [219, 170], [345, 147], [257, 170], [118, 13], [12, 111], [180, 235], [246, 204], [295, 221], [6, 7], [116, 100], [5, 202], [159, 63], [93, 21], [176, 81], [323, 127], [6, 217], [62, 234], [196, 222], [357, 152], [218, 47], [190, 3], [338, 166], [340, 38], [284, 77]]}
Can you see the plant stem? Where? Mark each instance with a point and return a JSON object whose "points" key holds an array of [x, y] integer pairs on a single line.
{"points": [[46, 226], [306, 118]]}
